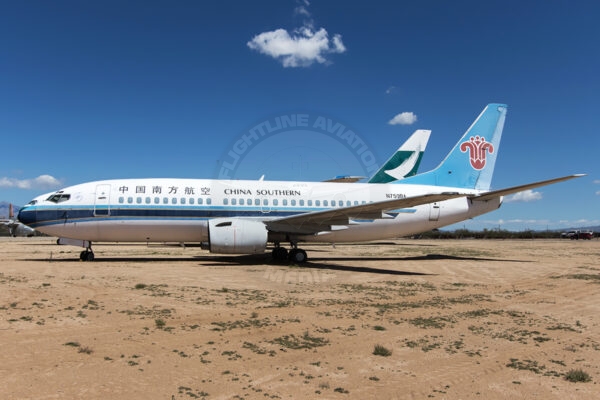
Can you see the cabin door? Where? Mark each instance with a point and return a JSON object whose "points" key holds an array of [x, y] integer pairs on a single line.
{"points": [[434, 211], [102, 201]]}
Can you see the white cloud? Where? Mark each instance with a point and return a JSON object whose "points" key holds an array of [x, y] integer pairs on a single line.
{"points": [[41, 182], [598, 192], [390, 90], [405, 118], [597, 181], [302, 8], [524, 196], [302, 48]]}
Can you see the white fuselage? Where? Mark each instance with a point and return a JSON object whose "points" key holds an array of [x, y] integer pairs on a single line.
{"points": [[178, 210]]}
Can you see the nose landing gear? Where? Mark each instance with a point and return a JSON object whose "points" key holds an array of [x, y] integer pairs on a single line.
{"points": [[86, 255]]}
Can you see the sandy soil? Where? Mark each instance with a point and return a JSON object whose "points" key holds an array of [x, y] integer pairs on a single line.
{"points": [[462, 320]]}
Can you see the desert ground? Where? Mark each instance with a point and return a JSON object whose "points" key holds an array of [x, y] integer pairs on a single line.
{"points": [[404, 319]]}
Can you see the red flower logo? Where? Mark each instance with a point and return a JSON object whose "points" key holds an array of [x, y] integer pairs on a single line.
{"points": [[477, 146]]}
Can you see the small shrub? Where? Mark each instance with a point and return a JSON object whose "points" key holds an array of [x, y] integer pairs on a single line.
{"points": [[160, 324], [578, 375], [380, 350], [140, 286]]}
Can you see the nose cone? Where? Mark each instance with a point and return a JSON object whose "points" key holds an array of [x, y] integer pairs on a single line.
{"points": [[27, 216]]}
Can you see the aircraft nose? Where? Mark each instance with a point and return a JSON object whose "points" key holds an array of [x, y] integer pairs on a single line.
{"points": [[26, 216]]}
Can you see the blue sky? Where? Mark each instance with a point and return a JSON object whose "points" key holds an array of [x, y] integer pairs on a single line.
{"points": [[99, 90]]}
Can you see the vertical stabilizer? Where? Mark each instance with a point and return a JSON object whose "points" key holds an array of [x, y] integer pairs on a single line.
{"points": [[471, 162], [405, 161]]}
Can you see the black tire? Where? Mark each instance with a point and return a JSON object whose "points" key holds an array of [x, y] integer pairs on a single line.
{"points": [[298, 256], [279, 253]]}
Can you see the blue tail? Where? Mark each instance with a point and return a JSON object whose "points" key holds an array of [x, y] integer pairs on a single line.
{"points": [[471, 162]]}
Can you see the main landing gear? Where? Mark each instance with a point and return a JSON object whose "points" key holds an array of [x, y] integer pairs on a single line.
{"points": [[295, 255]]}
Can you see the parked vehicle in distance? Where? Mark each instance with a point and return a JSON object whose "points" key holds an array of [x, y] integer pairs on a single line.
{"points": [[576, 235]]}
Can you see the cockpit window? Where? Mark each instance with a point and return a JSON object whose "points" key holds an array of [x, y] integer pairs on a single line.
{"points": [[58, 197]]}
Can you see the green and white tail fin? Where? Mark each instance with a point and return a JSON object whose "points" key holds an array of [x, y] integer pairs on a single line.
{"points": [[405, 161], [470, 164]]}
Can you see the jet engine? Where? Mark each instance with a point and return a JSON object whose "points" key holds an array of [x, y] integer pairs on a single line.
{"points": [[236, 236]]}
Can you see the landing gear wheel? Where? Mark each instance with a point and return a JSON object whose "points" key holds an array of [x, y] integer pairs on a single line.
{"points": [[86, 255], [280, 253], [297, 256]]}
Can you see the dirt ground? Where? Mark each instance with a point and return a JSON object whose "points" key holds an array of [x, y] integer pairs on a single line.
{"points": [[406, 319]]}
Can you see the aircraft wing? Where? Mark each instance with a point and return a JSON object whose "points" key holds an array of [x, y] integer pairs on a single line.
{"points": [[319, 221], [346, 179], [516, 189]]}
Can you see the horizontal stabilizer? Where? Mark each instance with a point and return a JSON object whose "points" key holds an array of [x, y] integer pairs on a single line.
{"points": [[516, 189]]}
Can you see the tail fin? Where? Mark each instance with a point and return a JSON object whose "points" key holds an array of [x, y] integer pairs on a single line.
{"points": [[471, 162], [405, 161]]}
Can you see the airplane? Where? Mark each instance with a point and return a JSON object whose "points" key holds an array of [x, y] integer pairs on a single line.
{"points": [[402, 164], [243, 217], [15, 228]]}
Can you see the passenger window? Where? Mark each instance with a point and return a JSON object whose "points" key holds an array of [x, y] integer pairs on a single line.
{"points": [[233, 202], [265, 202], [293, 203], [310, 203], [156, 200], [285, 202], [348, 203], [275, 202], [355, 202], [138, 200], [182, 200], [130, 200], [318, 203], [301, 202], [225, 202], [209, 201], [256, 202], [192, 200], [200, 201], [173, 200], [148, 200], [241, 202], [325, 203], [121, 199], [165, 200]]}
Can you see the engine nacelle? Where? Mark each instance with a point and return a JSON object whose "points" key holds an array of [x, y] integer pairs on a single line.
{"points": [[237, 236]]}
